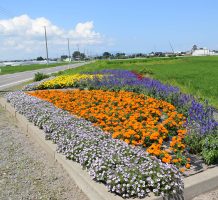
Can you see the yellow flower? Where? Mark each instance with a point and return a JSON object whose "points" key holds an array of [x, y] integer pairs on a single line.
{"points": [[66, 80]]}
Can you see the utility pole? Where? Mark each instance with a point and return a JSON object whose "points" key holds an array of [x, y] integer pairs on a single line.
{"points": [[171, 47], [68, 42], [46, 45]]}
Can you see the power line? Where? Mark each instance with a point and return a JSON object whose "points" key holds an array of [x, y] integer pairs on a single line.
{"points": [[171, 47]]}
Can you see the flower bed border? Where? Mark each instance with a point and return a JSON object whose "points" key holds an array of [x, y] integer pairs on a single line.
{"points": [[194, 185]]}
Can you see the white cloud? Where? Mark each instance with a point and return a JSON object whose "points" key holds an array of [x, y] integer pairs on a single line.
{"points": [[84, 30], [23, 35]]}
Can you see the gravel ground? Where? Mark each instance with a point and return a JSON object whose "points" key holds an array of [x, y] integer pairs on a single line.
{"points": [[25, 172], [213, 195]]}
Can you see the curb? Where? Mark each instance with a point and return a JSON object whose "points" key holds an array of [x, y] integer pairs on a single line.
{"points": [[194, 185], [201, 183]]}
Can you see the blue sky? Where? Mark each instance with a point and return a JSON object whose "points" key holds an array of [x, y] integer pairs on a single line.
{"points": [[124, 26]]}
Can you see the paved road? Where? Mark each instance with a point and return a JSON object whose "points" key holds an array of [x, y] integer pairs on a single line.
{"points": [[17, 78]]}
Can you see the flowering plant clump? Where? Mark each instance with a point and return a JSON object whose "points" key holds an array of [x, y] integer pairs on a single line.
{"points": [[126, 170], [199, 116], [66, 81], [131, 117]]}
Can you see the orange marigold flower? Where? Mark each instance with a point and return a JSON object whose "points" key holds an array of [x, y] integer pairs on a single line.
{"points": [[154, 136], [187, 165], [182, 170]]}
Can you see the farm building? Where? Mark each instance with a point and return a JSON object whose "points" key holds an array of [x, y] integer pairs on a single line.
{"points": [[203, 52]]}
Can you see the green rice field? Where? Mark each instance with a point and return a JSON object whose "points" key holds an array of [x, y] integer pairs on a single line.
{"points": [[23, 68]]}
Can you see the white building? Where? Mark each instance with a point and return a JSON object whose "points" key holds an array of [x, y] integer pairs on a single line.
{"points": [[67, 60], [203, 52]]}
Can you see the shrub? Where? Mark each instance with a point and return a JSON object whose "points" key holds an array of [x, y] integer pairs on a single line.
{"points": [[40, 76], [206, 146], [210, 149], [193, 142]]}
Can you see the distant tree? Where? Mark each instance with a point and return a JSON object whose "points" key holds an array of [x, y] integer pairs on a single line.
{"points": [[76, 55], [40, 58], [194, 47], [63, 57], [120, 55], [112, 56], [82, 56], [159, 54], [98, 57], [106, 55], [139, 55]]}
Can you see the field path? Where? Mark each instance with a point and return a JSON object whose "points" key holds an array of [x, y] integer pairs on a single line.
{"points": [[25, 172]]}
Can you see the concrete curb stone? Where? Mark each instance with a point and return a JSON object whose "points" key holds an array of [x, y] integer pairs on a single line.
{"points": [[201, 183]]}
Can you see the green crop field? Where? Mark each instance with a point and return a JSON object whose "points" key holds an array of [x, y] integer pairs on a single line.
{"points": [[195, 75], [22, 68]]}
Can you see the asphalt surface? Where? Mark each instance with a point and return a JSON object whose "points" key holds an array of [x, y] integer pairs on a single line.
{"points": [[9, 80]]}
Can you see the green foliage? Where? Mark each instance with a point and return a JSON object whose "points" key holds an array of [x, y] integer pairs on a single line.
{"points": [[77, 55], [210, 149], [40, 76], [206, 146], [63, 57], [58, 73], [106, 55], [193, 142], [40, 58], [145, 71]]}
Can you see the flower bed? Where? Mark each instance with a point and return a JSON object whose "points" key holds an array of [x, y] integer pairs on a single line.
{"points": [[133, 118], [127, 171], [199, 116], [66, 81], [200, 122]]}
